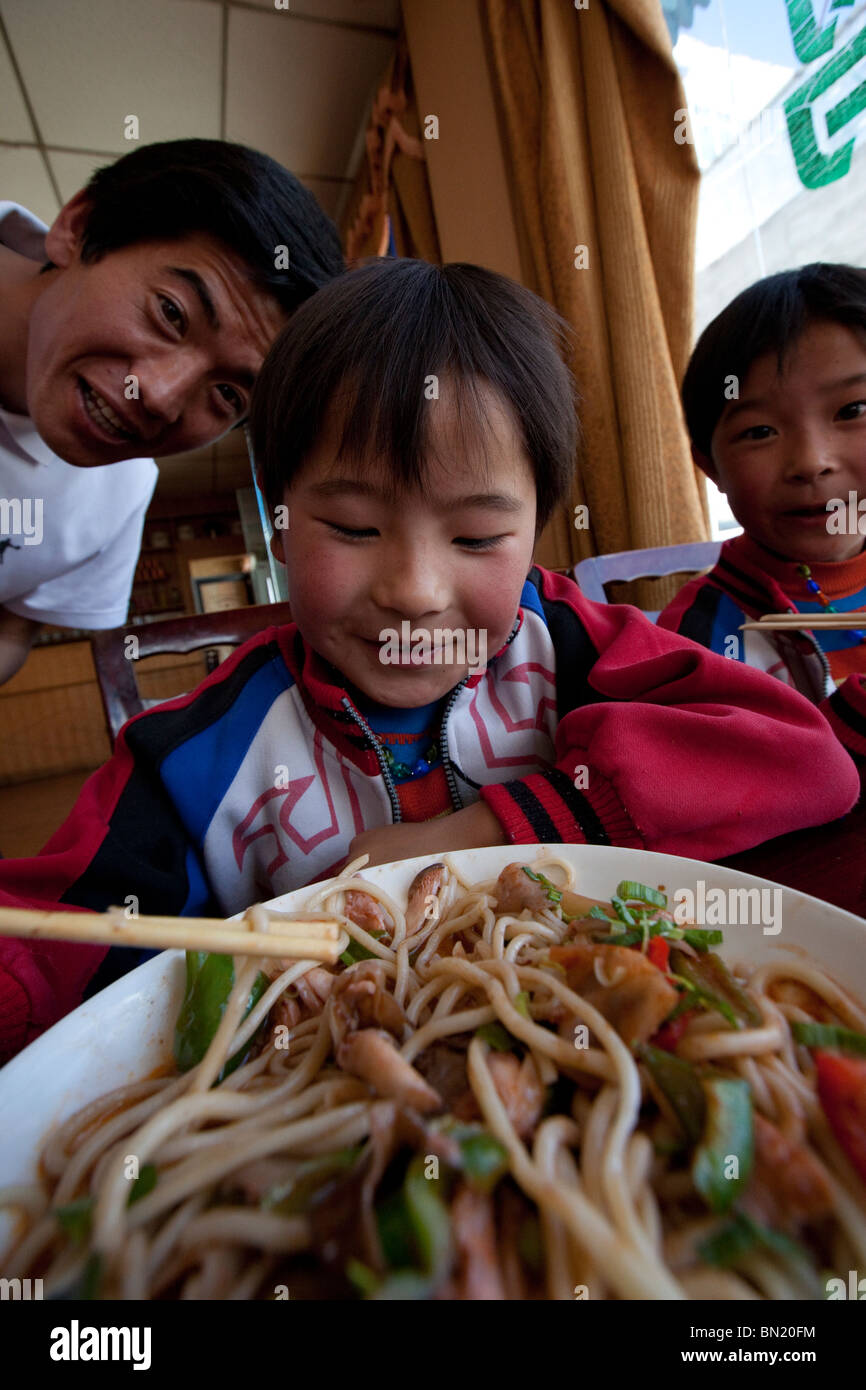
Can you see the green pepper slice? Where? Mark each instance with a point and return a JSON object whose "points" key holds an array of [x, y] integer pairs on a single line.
{"points": [[209, 982], [722, 1162]]}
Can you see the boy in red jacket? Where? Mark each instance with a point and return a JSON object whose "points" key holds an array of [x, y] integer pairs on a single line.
{"points": [[775, 402], [414, 428]]}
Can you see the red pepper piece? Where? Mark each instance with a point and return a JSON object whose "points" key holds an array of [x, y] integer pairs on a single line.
{"points": [[670, 1033], [658, 950], [842, 1093]]}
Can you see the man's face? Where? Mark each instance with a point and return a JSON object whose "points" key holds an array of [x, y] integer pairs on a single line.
{"points": [[151, 350], [362, 559], [793, 442]]}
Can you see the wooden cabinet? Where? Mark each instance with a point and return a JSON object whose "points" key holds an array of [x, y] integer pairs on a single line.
{"points": [[162, 587]]}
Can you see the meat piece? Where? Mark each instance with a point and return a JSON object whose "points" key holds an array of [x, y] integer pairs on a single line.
{"points": [[515, 890], [519, 1088], [789, 1183], [314, 989], [367, 912], [425, 884], [443, 1065], [360, 999], [304, 999], [626, 988], [371, 1055], [472, 1222]]}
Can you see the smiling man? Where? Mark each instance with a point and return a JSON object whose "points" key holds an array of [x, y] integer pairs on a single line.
{"points": [[132, 328]]}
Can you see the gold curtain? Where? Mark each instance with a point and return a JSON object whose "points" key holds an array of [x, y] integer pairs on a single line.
{"points": [[392, 190], [587, 101], [603, 202]]}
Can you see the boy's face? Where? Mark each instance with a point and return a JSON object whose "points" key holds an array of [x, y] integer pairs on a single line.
{"points": [[362, 559], [793, 442], [181, 318]]}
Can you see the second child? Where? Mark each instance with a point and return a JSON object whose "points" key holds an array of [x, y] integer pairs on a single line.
{"points": [[775, 403]]}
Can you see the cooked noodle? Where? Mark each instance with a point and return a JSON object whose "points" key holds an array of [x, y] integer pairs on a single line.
{"points": [[615, 1219]]}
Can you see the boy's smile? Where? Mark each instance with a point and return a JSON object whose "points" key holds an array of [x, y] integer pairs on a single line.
{"points": [[794, 442], [182, 318], [363, 558]]}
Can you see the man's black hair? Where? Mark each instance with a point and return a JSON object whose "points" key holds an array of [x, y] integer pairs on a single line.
{"points": [[367, 346], [769, 316], [243, 198]]}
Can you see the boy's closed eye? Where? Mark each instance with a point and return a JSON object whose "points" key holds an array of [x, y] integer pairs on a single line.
{"points": [[467, 542], [755, 432]]}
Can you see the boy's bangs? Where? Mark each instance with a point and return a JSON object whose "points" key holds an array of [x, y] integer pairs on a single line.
{"points": [[768, 317], [402, 363], [392, 435]]}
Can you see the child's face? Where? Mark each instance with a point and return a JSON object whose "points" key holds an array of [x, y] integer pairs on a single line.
{"points": [[361, 558], [793, 442]]}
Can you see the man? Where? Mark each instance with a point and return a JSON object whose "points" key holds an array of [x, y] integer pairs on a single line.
{"points": [[133, 328]]}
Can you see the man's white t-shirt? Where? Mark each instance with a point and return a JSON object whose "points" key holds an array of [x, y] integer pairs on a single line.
{"points": [[69, 537]]}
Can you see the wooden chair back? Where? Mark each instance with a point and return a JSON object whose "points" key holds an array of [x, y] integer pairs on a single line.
{"points": [[115, 667]]}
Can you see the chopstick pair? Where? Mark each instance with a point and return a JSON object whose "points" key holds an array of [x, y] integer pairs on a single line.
{"points": [[830, 622], [297, 940]]}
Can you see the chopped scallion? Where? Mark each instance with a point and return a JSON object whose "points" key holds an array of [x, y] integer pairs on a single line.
{"points": [[641, 893]]}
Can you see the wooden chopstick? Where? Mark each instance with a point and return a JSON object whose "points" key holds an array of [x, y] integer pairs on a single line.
{"points": [[298, 940], [778, 622]]}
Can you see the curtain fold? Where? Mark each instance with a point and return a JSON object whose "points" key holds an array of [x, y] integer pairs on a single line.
{"points": [[605, 206], [603, 201], [391, 195]]}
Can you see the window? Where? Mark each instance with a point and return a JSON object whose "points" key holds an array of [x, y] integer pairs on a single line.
{"points": [[776, 93]]}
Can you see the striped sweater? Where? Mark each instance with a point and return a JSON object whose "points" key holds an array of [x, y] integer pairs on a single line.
{"points": [[589, 725]]}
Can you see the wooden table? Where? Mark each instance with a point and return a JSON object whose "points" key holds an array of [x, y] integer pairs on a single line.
{"points": [[828, 861]]}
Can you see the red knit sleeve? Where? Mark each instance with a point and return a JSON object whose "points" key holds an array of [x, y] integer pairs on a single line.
{"points": [[683, 752], [40, 981]]}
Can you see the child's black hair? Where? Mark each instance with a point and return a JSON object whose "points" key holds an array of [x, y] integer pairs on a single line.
{"points": [[242, 198], [376, 336], [769, 316]]}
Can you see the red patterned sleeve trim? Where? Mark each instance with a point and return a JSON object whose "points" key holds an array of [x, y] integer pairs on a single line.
{"points": [[549, 808]]}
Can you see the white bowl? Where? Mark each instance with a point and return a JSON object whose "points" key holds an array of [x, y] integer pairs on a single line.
{"points": [[126, 1031]]}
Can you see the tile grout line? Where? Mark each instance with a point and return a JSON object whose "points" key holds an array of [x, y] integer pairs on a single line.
{"points": [[25, 97], [224, 67], [382, 30], [116, 154]]}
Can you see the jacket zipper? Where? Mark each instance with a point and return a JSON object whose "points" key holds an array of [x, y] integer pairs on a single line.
{"points": [[451, 780], [828, 678], [380, 757], [383, 766], [456, 800], [829, 683]]}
